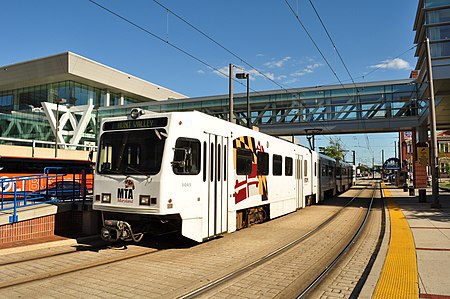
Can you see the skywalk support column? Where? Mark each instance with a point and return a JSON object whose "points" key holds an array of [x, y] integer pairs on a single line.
{"points": [[434, 149], [421, 161]]}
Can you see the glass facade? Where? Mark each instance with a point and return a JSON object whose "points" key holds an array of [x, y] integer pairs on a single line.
{"points": [[77, 94], [437, 24], [22, 115]]}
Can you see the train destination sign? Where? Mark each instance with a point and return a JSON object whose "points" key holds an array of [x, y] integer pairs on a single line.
{"points": [[135, 124]]}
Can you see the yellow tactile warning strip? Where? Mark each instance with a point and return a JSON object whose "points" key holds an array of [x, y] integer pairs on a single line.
{"points": [[399, 278]]}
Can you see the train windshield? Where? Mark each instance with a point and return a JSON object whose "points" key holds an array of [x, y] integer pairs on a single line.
{"points": [[131, 152]]}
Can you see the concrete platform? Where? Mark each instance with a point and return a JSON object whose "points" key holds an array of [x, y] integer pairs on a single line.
{"points": [[430, 228]]}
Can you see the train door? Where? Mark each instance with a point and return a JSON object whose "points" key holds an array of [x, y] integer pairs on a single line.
{"points": [[314, 179], [307, 180], [217, 184], [299, 181]]}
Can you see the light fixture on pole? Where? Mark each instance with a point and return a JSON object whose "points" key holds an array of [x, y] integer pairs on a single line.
{"points": [[58, 101], [246, 76]]}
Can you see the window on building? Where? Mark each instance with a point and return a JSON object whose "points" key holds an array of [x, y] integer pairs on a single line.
{"points": [[6, 103]]}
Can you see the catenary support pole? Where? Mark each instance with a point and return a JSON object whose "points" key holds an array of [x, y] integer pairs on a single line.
{"points": [[434, 150]]}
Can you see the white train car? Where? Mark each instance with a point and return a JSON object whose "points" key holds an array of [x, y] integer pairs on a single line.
{"points": [[195, 173]]}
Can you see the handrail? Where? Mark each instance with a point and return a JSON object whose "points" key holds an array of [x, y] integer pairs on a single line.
{"points": [[24, 191]]}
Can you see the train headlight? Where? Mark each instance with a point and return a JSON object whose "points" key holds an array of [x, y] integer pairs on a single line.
{"points": [[106, 197], [136, 112], [144, 200]]}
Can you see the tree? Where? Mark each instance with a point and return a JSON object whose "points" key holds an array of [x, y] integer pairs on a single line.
{"points": [[334, 150]]}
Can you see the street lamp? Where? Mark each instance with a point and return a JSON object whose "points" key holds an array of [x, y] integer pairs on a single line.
{"points": [[246, 76], [58, 101]]}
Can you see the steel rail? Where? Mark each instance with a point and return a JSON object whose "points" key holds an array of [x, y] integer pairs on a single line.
{"points": [[331, 266], [266, 258]]}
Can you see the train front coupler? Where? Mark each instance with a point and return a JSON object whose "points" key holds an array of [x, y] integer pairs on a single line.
{"points": [[114, 230]]}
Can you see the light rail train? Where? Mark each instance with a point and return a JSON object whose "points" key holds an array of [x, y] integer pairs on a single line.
{"points": [[201, 175]]}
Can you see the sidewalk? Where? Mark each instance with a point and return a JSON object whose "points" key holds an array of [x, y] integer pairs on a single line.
{"points": [[431, 232]]}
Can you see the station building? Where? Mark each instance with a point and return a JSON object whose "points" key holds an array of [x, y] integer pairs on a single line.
{"points": [[67, 87]]}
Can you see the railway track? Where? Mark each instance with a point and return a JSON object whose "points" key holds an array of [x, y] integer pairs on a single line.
{"points": [[65, 260], [240, 262], [301, 289]]}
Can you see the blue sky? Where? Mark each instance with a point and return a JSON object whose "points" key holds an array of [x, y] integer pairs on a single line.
{"points": [[369, 35]]}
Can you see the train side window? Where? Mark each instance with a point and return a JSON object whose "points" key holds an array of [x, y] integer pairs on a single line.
{"points": [[219, 169], [315, 169], [263, 163], [324, 170], [305, 169], [186, 157], [277, 165], [244, 159], [204, 161], [288, 162], [211, 163], [225, 162]]}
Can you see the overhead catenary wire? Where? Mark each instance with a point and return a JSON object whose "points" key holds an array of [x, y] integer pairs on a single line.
{"points": [[219, 44], [229, 51], [348, 72], [331, 40], [164, 41], [175, 46], [315, 44], [193, 56], [318, 49]]}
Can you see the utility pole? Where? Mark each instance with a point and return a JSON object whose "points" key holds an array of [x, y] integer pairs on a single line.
{"points": [[230, 91], [434, 150]]}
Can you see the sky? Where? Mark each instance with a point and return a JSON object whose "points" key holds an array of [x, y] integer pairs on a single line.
{"points": [[187, 45]]}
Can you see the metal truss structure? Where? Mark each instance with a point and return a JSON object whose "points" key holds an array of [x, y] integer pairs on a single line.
{"points": [[387, 106]]}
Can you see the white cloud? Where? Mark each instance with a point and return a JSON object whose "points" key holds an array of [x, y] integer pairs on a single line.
{"points": [[291, 81], [201, 72], [223, 71], [277, 63], [393, 64], [307, 70]]}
